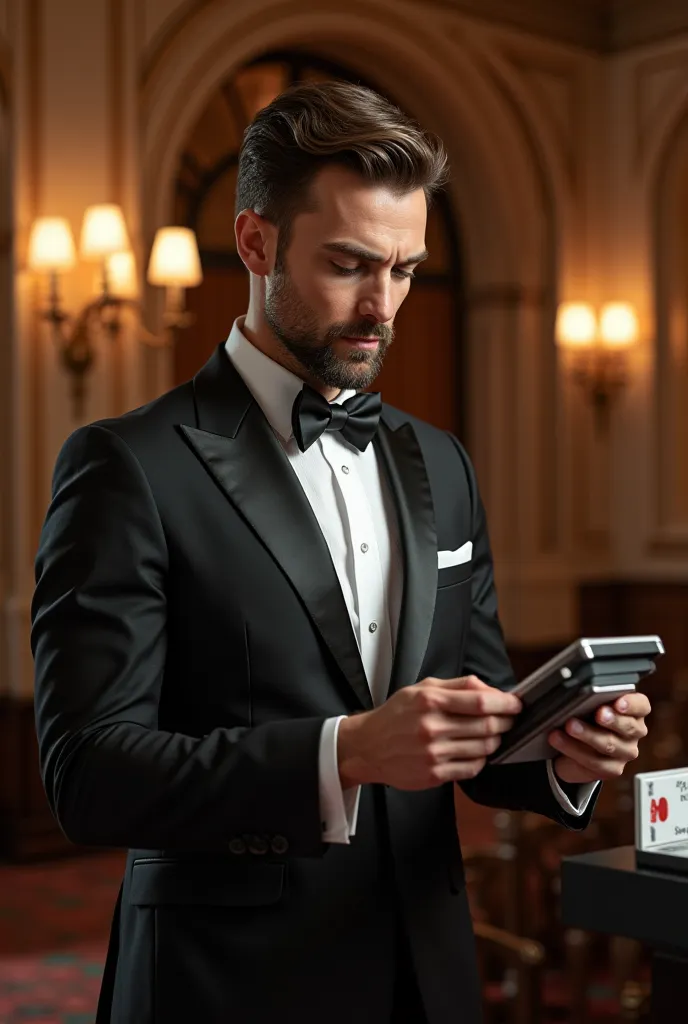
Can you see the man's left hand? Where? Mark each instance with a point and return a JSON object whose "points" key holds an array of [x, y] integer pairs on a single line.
{"points": [[601, 751]]}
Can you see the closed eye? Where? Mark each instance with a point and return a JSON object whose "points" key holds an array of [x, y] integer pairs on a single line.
{"points": [[406, 275]]}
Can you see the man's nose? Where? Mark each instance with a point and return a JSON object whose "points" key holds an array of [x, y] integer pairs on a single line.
{"points": [[376, 304]]}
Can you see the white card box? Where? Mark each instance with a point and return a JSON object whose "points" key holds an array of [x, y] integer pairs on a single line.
{"points": [[661, 819]]}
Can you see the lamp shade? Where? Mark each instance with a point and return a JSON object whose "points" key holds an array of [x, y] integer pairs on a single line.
{"points": [[51, 245], [576, 324], [175, 261], [103, 232], [618, 325], [121, 272]]}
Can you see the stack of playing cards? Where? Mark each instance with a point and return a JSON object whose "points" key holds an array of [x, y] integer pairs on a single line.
{"points": [[588, 673]]}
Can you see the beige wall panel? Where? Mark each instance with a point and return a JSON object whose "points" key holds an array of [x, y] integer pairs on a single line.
{"points": [[647, 99], [6, 361], [75, 172], [670, 205], [159, 14], [6, 18]]}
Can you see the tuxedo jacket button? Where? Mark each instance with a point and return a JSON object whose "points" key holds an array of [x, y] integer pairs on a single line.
{"points": [[258, 845], [279, 845], [237, 846]]}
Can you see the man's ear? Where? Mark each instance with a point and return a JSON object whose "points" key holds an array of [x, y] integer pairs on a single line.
{"points": [[256, 241]]}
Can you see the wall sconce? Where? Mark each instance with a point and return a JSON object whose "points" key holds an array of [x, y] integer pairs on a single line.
{"points": [[597, 348], [175, 265]]}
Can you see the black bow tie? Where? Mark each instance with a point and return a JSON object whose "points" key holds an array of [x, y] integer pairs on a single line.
{"points": [[357, 418]]}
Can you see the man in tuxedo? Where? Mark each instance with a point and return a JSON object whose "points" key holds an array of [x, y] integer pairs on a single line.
{"points": [[266, 635]]}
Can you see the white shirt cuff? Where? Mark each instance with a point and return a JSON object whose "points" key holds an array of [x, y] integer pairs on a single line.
{"points": [[338, 807], [584, 796]]}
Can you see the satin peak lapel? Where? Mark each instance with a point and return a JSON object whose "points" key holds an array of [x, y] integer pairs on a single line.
{"points": [[403, 460], [238, 447]]}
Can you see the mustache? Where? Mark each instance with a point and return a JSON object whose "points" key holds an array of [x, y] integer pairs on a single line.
{"points": [[363, 329]]}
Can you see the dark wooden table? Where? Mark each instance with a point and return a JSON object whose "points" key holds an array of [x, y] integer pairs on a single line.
{"points": [[608, 892]]}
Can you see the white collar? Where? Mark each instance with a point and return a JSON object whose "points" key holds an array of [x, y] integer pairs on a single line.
{"points": [[271, 384]]}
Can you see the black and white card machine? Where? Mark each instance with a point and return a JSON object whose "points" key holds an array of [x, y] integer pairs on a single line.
{"points": [[588, 673]]}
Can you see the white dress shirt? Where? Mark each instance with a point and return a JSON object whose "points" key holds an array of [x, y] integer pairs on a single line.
{"points": [[354, 508]]}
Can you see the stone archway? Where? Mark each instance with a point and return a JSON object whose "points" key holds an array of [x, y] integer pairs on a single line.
{"points": [[507, 206], [498, 196], [424, 378]]}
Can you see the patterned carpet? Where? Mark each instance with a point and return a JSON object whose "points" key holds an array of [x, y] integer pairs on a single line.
{"points": [[54, 922]]}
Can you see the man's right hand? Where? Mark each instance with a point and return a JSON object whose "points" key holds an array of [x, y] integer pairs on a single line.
{"points": [[437, 731]]}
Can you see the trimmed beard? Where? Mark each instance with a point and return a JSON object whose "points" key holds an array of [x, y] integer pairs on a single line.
{"points": [[296, 328]]}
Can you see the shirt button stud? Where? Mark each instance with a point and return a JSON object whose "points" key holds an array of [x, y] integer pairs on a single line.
{"points": [[279, 845], [364, 548], [345, 469], [237, 846], [372, 627]]}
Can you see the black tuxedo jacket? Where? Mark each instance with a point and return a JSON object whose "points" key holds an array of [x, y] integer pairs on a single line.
{"points": [[190, 638]]}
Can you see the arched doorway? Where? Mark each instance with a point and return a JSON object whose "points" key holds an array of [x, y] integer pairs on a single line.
{"points": [[507, 186], [423, 369]]}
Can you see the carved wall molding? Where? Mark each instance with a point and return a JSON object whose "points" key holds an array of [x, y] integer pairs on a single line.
{"points": [[665, 545], [668, 535], [6, 361], [555, 82], [507, 296], [601, 26], [6, 240], [660, 95], [535, 412], [29, 483], [580, 23], [638, 23], [172, 26], [6, 71]]}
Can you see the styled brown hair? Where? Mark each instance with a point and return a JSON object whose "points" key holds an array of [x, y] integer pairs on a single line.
{"points": [[315, 124]]}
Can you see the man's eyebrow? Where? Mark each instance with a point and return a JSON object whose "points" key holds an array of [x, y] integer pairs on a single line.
{"points": [[359, 253]]}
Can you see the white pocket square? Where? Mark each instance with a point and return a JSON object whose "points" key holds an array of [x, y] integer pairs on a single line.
{"points": [[462, 554]]}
